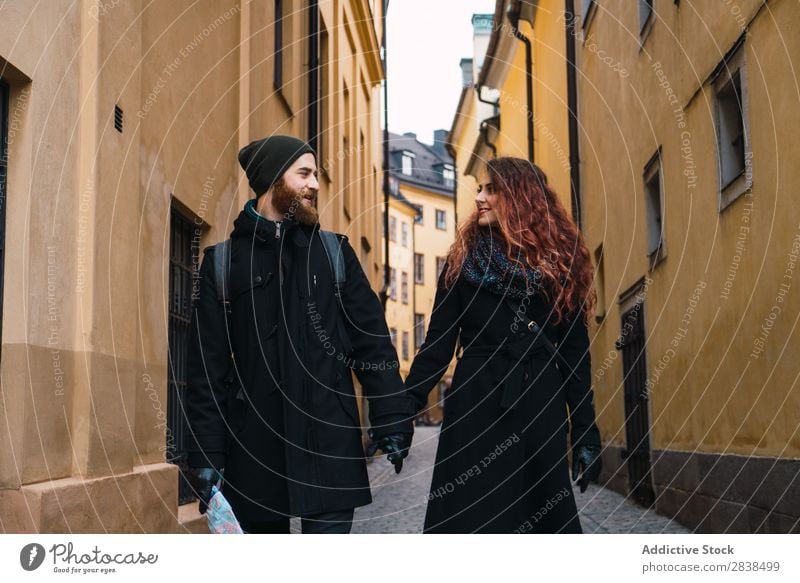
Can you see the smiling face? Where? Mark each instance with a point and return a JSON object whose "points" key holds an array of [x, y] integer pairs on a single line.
{"points": [[295, 194], [486, 202]]}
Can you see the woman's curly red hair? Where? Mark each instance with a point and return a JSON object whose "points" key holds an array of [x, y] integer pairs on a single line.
{"points": [[532, 219]]}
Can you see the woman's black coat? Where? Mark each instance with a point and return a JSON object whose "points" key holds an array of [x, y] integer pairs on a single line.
{"points": [[501, 465], [285, 426]]}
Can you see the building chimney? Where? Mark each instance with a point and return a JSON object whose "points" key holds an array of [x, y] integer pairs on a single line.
{"points": [[439, 141], [466, 72], [410, 135], [482, 25]]}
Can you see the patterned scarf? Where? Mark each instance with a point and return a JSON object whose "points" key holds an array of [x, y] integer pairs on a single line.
{"points": [[488, 266]]}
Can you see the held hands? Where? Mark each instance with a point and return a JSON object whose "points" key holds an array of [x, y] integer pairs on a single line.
{"points": [[201, 480], [586, 460], [394, 444]]}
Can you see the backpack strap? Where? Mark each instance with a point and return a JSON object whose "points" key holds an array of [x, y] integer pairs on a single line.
{"points": [[222, 266], [222, 272], [333, 248]]}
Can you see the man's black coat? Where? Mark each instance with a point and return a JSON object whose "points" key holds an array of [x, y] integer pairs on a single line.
{"points": [[287, 428]]}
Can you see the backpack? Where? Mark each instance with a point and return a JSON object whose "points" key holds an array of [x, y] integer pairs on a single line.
{"points": [[222, 267]]}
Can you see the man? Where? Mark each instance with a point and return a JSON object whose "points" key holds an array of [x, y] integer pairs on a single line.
{"points": [[270, 400]]}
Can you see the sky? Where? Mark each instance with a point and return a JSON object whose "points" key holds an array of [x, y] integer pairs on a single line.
{"points": [[426, 41]]}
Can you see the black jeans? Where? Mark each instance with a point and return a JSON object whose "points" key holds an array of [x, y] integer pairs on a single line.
{"points": [[338, 522]]}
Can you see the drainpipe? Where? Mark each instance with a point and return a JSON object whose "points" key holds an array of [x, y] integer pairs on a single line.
{"points": [[485, 138], [313, 74], [452, 151], [513, 18], [572, 106], [384, 294], [483, 127]]}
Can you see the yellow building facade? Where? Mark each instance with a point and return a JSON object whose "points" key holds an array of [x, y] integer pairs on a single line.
{"points": [[668, 132], [688, 172], [421, 231], [123, 121], [492, 118]]}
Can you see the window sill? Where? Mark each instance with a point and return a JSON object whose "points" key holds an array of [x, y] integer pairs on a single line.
{"points": [[644, 34], [283, 99], [655, 258], [734, 189]]}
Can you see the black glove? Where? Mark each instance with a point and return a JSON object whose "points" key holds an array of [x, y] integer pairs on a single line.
{"points": [[586, 460], [201, 480], [394, 444]]}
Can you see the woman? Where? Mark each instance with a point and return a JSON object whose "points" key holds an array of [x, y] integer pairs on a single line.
{"points": [[518, 263]]}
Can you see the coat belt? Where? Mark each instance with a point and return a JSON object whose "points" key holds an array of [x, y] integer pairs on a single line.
{"points": [[512, 357]]}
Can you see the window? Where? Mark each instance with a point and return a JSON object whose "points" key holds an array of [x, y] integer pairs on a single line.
{"points": [[347, 202], [419, 330], [600, 283], [393, 336], [419, 268], [277, 71], [441, 220], [449, 175], [588, 8], [393, 283], [393, 228], [323, 101], [408, 163], [654, 209], [419, 218], [365, 249], [645, 12], [404, 287], [405, 345], [404, 234], [735, 176], [440, 261]]}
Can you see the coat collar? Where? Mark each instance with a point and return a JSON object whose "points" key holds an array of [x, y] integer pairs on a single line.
{"points": [[250, 224]]}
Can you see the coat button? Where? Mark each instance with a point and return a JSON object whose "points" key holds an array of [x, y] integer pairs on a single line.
{"points": [[258, 279], [526, 376]]}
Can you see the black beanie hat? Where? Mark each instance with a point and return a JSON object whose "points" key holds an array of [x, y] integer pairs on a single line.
{"points": [[266, 160]]}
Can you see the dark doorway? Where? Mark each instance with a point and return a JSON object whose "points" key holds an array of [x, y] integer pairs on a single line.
{"points": [[3, 174], [637, 417], [184, 236]]}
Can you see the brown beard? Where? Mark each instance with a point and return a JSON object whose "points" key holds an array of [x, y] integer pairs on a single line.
{"points": [[289, 203]]}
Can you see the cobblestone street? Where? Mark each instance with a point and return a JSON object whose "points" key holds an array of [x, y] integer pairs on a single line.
{"points": [[399, 500]]}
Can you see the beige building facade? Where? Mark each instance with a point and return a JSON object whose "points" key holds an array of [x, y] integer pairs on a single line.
{"points": [[123, 121]]}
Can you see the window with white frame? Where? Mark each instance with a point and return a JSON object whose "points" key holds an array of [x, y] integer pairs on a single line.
{"points": [[732, 128], [393, 283], [393, 228], [419, 268], [408, 163], [645, 13], [404, 231], [419, 330], [449, 175], [404, 347], [441, 220], [588, 8], [654, 209], [440, 262], [404, 287]]}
